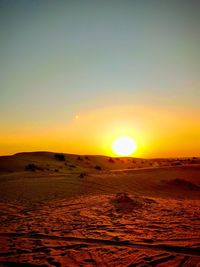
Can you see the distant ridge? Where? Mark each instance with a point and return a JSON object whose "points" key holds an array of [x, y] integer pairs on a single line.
{"points": [[49, 161]]}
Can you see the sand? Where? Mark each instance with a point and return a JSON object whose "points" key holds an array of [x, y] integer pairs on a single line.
{"points": [[144, 213]]}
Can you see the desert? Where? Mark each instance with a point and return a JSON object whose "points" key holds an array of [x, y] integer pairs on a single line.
{"points": [[99, 133], [127, 212]]}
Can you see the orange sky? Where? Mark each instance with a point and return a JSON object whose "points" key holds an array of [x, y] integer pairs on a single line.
{"points": [[157, 132]]}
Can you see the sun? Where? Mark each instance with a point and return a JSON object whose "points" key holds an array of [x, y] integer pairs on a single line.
{"points": [[124, 146]]}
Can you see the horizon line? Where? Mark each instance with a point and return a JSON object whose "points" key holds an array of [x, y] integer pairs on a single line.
{"points": [[97, 155]]}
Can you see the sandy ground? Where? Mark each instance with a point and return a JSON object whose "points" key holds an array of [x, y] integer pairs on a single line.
{"points": [[63, 218]]}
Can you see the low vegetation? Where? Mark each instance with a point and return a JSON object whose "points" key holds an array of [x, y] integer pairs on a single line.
{"points": [[82, 174], [60, 157], [72, 166], [98, 168], [32, 167], [111, 160]]}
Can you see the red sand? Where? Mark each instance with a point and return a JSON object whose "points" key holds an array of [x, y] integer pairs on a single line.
{"points": [[73, 221]]}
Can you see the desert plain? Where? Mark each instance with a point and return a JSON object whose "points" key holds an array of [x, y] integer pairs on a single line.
{"points": [[75, 210]]}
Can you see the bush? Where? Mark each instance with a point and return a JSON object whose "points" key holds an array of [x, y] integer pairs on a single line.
{"points": [[98, 168], [82, 175], [32, 167], [111, 160], [60, 157], [72, 166], [79, 158], [176, 163]]}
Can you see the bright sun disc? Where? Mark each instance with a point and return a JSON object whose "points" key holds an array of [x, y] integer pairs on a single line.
{"points": [[124, 146]]}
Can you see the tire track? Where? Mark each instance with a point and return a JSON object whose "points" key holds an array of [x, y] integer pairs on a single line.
{"points": [[105, 242]]}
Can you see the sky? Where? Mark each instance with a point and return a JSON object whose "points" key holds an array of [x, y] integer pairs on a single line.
{"points": [[75, 75]]}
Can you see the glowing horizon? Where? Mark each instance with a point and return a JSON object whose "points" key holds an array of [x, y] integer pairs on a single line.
{"points": [[157, 133]]}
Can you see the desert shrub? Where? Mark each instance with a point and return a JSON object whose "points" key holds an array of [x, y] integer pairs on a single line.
{"points": [[176, 163], [56, 170], [111, 160], [32, 167], [82, 174], [79, 158], [60, 157], [98, 168], [72, 166], [87, 158]]}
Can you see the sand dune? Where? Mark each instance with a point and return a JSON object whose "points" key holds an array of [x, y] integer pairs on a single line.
{"points": [[128, 212]]}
